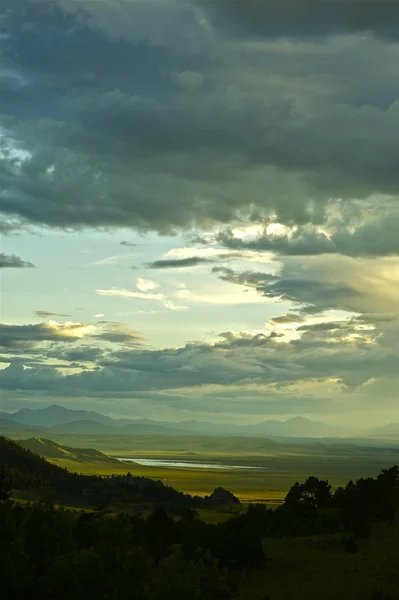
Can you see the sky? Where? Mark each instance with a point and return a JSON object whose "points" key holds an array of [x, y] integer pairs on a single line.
{"points": [[199, 208]]}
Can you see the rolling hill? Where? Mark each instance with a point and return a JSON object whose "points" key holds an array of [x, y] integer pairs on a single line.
{"points": [[51, 450]]}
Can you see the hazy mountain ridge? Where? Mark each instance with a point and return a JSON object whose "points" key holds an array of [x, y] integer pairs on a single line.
{"points": [[61, 420], [57, 415]]}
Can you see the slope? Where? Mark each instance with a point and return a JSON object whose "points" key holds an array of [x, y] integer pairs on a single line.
{"points": [[51, 450]]}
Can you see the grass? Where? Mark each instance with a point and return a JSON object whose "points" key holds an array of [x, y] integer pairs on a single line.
{"points": [[297, 570]]}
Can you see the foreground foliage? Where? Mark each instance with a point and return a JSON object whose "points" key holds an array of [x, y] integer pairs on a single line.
{"points": [[48, 552]]}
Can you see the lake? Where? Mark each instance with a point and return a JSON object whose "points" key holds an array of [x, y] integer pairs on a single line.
{"points": [[150, 462]]}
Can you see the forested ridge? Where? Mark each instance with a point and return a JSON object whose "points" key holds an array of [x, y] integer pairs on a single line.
{"points": [[48, 552], [28, 471]]}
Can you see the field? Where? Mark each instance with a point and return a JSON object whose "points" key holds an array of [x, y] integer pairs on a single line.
{"points": [[280, 465], [297, 569]]}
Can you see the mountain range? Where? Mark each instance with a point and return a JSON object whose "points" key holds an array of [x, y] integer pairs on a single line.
{"points": [[61, 420]]}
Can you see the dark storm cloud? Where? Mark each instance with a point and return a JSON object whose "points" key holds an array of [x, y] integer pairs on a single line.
{"points": [[183, 148], [138, 115], [11, 261], [303, 18], [177, 263], [83, 59]]}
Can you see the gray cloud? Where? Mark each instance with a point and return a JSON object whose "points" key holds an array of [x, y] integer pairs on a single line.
{"points": [[11, 261], [288, 319], [333, 361], [375, 237], [129, 244], [176, 263], [326, 283], [319, 355], [27, 336], [208, 152], [303, 18], [80, 354], [119, 333], [45, 313], [30, 338]]}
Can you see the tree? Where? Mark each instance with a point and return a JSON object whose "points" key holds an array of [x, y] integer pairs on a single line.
{"points": [[5, 488], [200, 579], [306, 498]]}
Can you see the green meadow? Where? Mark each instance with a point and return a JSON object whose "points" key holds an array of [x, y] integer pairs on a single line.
{"points": [[279, 465]]}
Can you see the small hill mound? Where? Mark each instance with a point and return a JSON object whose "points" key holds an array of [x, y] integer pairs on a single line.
{"points": [[222, 497], [52, 450]]}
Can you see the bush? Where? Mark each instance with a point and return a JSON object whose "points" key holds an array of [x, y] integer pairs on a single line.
{"points": [[351, 545]]}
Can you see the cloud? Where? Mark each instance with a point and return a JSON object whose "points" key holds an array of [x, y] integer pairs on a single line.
{"points": [[27, 336], [45, 313], [375, 236], [323, 362], [188, 80], [120, 333], [300, 19], [122, 293], [177, 263], [326, 283], [308, 121], [76, 354], [288, 319], [146, 285], [110, 260], [11, 261], [271, 137]]}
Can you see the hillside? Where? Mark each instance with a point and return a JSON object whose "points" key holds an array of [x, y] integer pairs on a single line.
{"points": [[31, 471], [51, 450], [25, 470]]}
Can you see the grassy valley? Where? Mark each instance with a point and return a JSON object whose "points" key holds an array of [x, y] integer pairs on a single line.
{"points": [[278, 465], [265, 468]]}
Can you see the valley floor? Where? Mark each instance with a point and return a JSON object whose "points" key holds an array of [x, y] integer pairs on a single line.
{"points": [[277, 469]]}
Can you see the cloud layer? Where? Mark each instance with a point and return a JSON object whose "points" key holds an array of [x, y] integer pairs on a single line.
{"points": [[161, 135], [262, 135]]}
